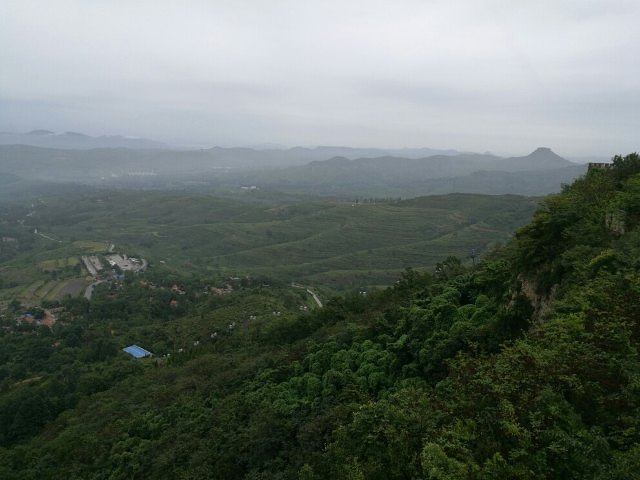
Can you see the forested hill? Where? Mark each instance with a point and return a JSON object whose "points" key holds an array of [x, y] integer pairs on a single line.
{"points": [[524, 367]]}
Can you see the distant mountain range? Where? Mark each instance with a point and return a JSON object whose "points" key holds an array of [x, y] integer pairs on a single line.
{"points": [[540, 172], [297, 170], [295, 155], [290, 156], [437, 165], [74, 140]]}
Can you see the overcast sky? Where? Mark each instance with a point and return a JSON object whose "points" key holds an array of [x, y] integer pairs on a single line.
{"points": [[502, 76]]}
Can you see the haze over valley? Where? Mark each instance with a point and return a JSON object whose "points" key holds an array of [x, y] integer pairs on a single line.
{"points": [[326, 171]]}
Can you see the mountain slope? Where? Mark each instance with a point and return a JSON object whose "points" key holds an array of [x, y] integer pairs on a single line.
{"points": [[524, 367]]}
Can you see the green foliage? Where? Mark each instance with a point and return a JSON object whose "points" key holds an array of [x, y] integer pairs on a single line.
{"points": [[626, 167], [525, 366]]}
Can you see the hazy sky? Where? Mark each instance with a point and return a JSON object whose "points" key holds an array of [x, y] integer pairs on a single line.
{"points": [[498, 75]]}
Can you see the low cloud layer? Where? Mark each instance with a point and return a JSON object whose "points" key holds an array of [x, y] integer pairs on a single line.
{"points": [[476, 75]]}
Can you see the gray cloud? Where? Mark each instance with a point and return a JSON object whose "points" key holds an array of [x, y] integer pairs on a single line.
{"points": [[477, 75]]}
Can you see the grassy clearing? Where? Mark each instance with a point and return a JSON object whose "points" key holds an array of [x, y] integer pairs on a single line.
{"points": [[90, 246]]}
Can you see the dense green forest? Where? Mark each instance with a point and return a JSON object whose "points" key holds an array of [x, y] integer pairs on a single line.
{"points": [[525, 366]]}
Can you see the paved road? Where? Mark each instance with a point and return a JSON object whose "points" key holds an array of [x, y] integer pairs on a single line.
{"points": [[309, 291], [315, 297], [89, 290]]}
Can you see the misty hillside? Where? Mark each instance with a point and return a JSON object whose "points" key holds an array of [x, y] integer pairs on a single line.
{"points": [[442, 166], [295, 170], [538, 173], [534, 182], [63, 163]]}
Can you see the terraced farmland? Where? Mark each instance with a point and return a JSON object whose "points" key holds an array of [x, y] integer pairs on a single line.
{"points": [[332, 244]]}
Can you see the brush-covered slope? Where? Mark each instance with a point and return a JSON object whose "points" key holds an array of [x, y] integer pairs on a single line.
{"points": [[524, 367]]}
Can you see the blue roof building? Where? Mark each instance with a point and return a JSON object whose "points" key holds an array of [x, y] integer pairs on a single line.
{"points": [[137, 352]]}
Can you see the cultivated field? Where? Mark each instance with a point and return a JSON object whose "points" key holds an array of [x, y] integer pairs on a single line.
{"points": [[330, 244]]}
